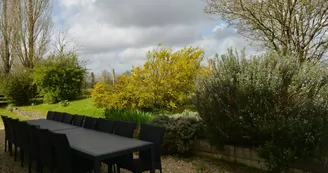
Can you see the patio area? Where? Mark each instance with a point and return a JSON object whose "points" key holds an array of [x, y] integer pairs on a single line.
{"points": [[170, 164]]}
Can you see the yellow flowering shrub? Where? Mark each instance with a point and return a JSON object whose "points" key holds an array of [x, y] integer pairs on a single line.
{"points": [[165, 81]]}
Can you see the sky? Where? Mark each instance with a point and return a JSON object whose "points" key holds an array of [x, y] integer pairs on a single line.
{"points": [[118, 33]]}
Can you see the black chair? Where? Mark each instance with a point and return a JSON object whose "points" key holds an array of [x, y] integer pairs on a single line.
{"points": [[16, 136], [24, 141], [90, 123], [106, 126], [152, 134], [4, 120], [11, 135], [58, 116], [19, 137], [46, 154], [50, 115], [34, 153], [64, 160], [67, 118], [125, 129], [78, 120]]}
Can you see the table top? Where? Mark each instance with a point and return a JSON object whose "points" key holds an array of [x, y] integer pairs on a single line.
{"points": [[94, 144], [50, 124], [100, 145]]}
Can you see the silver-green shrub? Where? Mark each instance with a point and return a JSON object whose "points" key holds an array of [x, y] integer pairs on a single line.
{"points": [[271, 102]]}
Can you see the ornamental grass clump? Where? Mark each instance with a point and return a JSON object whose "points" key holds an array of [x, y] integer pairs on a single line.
{"points": [[275, 103]]}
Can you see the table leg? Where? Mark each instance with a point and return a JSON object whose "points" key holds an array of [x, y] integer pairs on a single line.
{"points": [[96, 166], [152, 160]]}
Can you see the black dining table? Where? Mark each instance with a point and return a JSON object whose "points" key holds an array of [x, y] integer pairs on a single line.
{"points": [[94, 145]]}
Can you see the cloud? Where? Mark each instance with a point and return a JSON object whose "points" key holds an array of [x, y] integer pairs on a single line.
{"points": [[120, 32]]}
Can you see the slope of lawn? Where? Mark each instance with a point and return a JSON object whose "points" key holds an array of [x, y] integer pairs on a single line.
{"points": [[6, 112], [81, 107]]}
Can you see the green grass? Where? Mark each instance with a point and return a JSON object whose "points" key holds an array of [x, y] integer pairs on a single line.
{"points": [[81, 107], [131, 115], [6, 112]]}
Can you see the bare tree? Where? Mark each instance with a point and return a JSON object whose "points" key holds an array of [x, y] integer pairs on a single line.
{"points": [[286, 26], [33, 30], [64, 43], [6, 35]]}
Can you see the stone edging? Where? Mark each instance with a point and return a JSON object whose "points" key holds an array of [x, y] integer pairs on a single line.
{"points": [[31, 115], [240, 155]]}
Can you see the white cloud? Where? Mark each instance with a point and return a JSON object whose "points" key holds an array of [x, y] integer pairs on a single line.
{"points": [[120, 32]]}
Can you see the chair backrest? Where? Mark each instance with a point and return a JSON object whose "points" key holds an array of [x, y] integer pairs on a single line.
{"points": [[62, 150], [125, 129], [90, 123], [153, 134], [46, 153], [58, 116], [18, 129], [5, 124], [105, 125], [67, 118], [78, 120], [25, 136], [13, 130], [50, 115], [34, 140], [10, 130]]}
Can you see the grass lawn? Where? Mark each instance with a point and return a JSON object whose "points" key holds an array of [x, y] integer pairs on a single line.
{"points": [[4, 111], [81, 107]]}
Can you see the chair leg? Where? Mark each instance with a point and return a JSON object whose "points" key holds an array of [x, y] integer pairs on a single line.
{"points": [[110, 168], [118, 169], [10, 148], [160, 170], [15, 159], [30, 166], [6, 144], [22, 157]]}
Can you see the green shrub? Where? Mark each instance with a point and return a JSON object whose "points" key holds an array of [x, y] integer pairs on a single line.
{"points": [[59, 77], [275, 103], [131, 115], [180, 132], [17, 88], [64, 103], [49, 98]]}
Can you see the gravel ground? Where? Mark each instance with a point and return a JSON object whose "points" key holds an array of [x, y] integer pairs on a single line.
{"points": [[170, 164]]}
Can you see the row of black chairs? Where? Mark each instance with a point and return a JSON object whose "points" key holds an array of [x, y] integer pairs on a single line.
{"points": [[46, 148], [143, 163]]}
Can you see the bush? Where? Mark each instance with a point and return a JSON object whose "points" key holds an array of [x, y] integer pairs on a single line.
{"points": [[59, 77], [131, 115], [64, 103], [165, 81], [17, 88], [275, 103], [180, 132]]}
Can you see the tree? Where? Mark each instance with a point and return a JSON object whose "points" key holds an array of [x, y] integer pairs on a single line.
{"points": [[286, 26], [32, 30], [93, 79], [6, 36], [106, 77], [165, 81], [59, 77]]}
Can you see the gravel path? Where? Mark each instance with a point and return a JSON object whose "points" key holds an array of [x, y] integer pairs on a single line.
{"points": [[170, 164]]}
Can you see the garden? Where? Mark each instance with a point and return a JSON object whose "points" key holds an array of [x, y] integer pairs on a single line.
{"points": [[224, 113], [273, 104]]}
